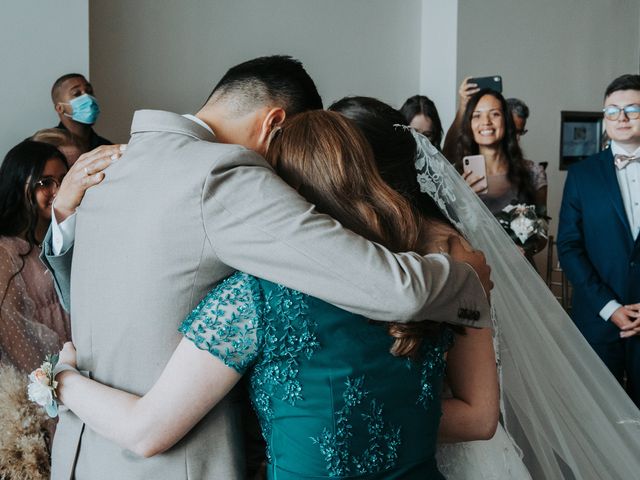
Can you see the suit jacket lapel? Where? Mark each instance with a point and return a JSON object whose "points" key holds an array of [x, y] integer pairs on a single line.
{"points": [[613, 187]]}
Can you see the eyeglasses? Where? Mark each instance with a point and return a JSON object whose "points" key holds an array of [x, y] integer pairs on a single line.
{"points": [[612, 112], [47, 183]]}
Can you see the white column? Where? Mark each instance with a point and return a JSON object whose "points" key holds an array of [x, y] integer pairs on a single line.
{"points": [[438, 56]]}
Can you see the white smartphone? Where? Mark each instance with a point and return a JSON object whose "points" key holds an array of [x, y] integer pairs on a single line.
{"points": [[476, 165]]}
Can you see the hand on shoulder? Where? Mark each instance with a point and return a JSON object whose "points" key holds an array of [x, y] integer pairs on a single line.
{"points": [[475, 259], [86, 172]]}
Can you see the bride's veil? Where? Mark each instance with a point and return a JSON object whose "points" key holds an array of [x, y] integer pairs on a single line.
{"points": [[560, 404]]}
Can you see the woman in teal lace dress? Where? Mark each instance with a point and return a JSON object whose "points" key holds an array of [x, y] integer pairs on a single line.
{"points": [[331, 400], [337, 395]]}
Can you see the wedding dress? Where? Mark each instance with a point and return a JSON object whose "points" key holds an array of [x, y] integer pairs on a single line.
{"points": [[495, 459], [560, 405]]}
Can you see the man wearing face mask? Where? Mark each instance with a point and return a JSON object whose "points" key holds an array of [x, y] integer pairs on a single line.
{"points": [[77, 108]]}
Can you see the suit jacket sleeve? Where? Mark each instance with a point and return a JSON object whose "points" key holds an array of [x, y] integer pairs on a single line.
{"points": [[260, 225], [572, 251], [60, 267]]}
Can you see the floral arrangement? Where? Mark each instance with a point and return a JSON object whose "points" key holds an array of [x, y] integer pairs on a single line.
{"points": [[525, 224], [42, 386]]}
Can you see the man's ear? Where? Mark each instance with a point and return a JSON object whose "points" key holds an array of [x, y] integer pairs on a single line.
{"points": [[59, 108], [274, 119]]}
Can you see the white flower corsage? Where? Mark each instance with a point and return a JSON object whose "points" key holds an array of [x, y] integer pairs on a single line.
{"points": [[42, 386]]}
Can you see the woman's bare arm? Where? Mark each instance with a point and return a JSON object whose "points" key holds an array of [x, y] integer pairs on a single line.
{"points": [[465, 91], [192, 383], [472, 413]]}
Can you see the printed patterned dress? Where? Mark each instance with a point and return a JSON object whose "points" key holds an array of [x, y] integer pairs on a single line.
{"points": [[331, 400]]}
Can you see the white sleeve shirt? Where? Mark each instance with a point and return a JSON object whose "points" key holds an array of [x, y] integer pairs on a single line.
{"points": [[629, 182], [62, 234]]}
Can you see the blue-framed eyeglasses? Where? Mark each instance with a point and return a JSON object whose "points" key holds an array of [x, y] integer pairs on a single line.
{"points": [[612, 112]]}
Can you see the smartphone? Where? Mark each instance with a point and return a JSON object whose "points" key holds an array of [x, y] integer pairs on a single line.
{"points": [[476, 165], [494, 82]]}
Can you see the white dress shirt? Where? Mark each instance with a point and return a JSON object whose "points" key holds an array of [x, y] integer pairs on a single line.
{"points": [[629, 182], [63, 234]]}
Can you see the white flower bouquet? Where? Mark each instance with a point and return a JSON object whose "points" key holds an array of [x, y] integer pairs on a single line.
{"points": [[525, 224]]}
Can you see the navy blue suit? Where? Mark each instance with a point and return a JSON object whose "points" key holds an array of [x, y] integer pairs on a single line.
{"points": [[601, 259]]}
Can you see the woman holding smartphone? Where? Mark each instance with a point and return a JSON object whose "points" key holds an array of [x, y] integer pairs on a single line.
{"points": [[502, 175], [486, 129]]}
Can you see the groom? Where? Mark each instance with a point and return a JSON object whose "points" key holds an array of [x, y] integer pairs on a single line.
{"points": [[185, 207]]}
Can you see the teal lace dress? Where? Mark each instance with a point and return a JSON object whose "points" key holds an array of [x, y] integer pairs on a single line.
{"points": [[331, 400]]}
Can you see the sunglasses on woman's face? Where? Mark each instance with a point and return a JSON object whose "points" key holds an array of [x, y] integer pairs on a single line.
{"points": [[47, 183]]}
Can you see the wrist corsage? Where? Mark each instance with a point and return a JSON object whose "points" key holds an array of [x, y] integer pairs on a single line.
{"points": [[42, 384], [525, 224]]}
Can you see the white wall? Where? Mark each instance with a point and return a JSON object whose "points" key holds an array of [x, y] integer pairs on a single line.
{"points": [[555, 55], [169, 55], [40, 42]]}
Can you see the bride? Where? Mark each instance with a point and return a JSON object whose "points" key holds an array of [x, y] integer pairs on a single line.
{"points": [[560, 406], [466, 402]]}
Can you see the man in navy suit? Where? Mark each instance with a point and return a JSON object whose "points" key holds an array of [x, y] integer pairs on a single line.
{"points": [[598, 238]]}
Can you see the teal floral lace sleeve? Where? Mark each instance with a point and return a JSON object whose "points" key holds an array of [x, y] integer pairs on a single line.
{"points": [[227, 322]]}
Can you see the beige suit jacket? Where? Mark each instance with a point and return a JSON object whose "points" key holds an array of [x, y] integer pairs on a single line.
{"points": [[160, 232]]}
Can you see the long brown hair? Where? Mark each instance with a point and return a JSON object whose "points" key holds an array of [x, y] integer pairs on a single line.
{"points": [[329, 161]]}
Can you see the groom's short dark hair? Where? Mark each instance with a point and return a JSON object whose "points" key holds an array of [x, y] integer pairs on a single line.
{"points": [[277, 79]]}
